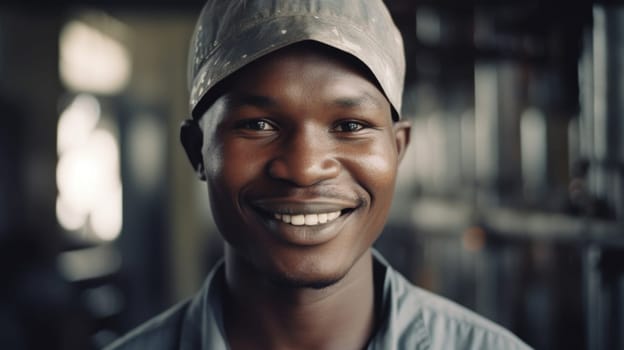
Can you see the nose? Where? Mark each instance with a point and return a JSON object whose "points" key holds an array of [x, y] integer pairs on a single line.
{"points": [[305, 158]]}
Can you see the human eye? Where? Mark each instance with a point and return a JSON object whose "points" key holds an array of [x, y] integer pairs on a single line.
{"points": [[255, 125], [349, 126]]}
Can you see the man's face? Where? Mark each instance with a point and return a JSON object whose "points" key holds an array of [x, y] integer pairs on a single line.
{"points": [[300, 159]]}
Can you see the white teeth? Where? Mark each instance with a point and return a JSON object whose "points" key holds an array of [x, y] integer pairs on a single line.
{"points": [[322, 218], [307, 219], [311, 219], [297, 220], [286, 218]]}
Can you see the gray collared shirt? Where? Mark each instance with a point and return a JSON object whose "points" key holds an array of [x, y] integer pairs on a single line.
{"points": [[412, 318]]}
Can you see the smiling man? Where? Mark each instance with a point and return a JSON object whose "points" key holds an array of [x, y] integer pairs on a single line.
{"points": [[296, 131]]}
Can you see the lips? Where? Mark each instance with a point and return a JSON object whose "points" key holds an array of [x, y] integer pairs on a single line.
{"points": [[296, 206]]}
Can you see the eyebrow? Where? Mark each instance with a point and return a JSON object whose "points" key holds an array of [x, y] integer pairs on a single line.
{"points": [[260, 101], [239, 100], [358, 101]]}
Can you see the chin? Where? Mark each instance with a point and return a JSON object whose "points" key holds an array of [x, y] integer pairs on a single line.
{"points": [[309, 273], [295, 282]]}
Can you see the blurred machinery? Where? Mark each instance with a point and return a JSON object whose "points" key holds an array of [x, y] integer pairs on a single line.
{"points": [[512, 189], [509, 201], [601, 132]]}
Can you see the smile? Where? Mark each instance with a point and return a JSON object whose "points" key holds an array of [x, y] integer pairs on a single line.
{"points": [[304, 221], [307, 219]]}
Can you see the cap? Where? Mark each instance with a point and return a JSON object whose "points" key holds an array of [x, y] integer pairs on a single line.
{"points": [[231, 34]]}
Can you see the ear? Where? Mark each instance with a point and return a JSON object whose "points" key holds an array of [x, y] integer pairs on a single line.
{"points": [[402, 130], [192, 139]]}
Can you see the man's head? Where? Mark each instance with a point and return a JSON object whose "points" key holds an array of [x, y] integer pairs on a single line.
{"points": [[231, 34], [300, 151]]}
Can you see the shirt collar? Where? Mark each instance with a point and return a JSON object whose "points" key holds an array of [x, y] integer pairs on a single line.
{"points": [[203, 326]]}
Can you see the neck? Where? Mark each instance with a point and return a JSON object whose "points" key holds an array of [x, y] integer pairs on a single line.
{"points": [[260, 314]]}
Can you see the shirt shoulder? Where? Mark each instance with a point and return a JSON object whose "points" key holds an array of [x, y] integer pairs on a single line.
{"points": [[192, 324], [447, 325], [160, 332]]}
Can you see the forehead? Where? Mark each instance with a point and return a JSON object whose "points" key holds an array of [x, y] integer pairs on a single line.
{"points": [[304, 72], [311, 70]]}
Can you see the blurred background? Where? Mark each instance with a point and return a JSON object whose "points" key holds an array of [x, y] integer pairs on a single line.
{"points": [[510, 200]]}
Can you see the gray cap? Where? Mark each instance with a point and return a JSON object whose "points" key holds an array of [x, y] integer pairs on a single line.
{"points": [[232, 33]]}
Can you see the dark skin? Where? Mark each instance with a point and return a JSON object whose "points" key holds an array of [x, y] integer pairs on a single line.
{"points": [[300, 156]]}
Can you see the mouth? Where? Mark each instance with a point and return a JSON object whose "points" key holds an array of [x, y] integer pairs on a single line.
{"points": [[304, 222], [304, 212]]}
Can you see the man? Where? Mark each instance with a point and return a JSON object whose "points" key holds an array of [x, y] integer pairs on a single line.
{"points": [[296, 130]]}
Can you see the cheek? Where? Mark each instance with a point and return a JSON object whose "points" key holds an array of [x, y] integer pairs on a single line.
{"points": [[223, 180], [376, 173], [230, 170], [376, 170], [231, 165], [380, 172], [379, 183]]}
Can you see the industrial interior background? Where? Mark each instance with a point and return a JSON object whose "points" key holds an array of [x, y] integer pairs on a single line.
{"points": [[510, 200]]}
